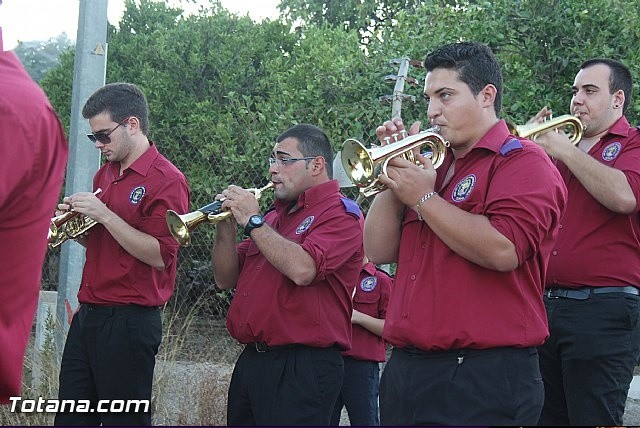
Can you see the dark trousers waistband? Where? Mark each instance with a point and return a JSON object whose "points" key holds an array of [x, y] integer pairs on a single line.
{"points": [[461, 353], [117, 309], [584, 293], [263, 347]]}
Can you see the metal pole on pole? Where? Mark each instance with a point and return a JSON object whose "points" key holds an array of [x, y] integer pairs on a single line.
{"points": [[84, 160]]}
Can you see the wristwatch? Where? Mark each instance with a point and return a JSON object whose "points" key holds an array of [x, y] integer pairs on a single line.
{"points": [[255, 221]]}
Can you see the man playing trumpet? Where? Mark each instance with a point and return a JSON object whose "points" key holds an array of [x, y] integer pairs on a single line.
{"points": [[294, 275], [593, 277], [471, 240], [130, 263]]}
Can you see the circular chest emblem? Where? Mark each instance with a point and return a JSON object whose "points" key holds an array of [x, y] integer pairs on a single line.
{"points": [[136, 195], [305, 225], [611, 151], [368, 283], [463, 188]]}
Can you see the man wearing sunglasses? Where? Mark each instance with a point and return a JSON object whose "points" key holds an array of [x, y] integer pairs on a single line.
{"points": [[130, 263], [294, 276]]}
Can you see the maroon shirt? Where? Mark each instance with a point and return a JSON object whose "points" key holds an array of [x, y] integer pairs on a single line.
{"points": [[442, 301], [33, 156], [371, 298], [268, 307], [140, 196], [597, 247]]}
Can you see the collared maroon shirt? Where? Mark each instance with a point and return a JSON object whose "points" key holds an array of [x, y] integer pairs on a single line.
{"points": [[268, 307], [442, 301], [595, 246], [33, 156], [140, 196], [371, 298]]}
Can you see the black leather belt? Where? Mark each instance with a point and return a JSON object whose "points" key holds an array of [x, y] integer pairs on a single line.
{"points": [[584, 293], [263, 347], [118, 309]]}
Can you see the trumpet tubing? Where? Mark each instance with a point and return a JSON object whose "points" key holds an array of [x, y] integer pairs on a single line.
{"points": [[570, 123], [69, 225], [181, 226], [363, 165]]}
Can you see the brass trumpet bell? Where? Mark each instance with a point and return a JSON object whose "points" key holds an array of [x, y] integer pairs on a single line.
{"points": [[568, 123], [182, 225], [363, 166]]}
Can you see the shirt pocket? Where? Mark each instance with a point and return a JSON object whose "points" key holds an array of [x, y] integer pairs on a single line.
{"points": [[366, 301]]}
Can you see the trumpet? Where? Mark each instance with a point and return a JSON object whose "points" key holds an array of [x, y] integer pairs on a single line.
{"points": [[571, 124], [181, 226], [69, 225], [363, 165]]}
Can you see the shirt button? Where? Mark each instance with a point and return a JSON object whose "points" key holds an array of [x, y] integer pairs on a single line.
{"points": [[555, 253], [560, 227], [413, 277]]}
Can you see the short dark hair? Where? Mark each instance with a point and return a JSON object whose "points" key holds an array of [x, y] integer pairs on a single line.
{"points": [[476, 64], [119, 100], [312, 141], [620, 77]]}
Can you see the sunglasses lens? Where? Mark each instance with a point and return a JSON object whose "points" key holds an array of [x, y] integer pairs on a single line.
{"points": [[101, 138]]}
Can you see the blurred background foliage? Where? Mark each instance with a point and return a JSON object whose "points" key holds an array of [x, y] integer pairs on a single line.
{"points": [[221, 87]]}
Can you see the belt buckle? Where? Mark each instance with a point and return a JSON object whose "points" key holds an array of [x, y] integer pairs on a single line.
{"points": [[550, 295], [261, 347]]}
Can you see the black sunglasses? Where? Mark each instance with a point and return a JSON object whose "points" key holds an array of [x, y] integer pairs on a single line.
{"points": [[103, 137]]}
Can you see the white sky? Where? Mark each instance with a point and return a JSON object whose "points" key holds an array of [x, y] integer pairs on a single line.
{"points": [[27, 20]]}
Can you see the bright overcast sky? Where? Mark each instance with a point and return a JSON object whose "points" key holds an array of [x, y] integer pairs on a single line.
{"points": [[27, 20]]}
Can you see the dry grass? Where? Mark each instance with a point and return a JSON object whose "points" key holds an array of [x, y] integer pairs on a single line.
{"points": [[191, 379]]}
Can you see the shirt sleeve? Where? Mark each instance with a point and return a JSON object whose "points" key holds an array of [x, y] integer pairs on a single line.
{"points": [[173, 194], [526, 199], [332, 239]]}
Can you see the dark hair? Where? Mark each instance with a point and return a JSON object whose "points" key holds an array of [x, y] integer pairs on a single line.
{"points": [[119, 100], [620, 77], [312, 141], [476, 64]]}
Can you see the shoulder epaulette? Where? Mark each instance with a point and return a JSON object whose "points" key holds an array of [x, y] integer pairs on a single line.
{"points": [[351, 207], [510, 145]]}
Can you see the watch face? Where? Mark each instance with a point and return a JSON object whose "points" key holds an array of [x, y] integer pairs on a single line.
{"points": [[256, 220]]}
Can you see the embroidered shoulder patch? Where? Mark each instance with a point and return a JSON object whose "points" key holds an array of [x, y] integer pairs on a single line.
{"points": [[136, 195]]}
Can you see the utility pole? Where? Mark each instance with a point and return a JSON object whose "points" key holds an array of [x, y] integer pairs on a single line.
{"points": [[84, 160]]}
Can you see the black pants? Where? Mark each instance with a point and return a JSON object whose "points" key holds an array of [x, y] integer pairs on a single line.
{"points": [[110, 355], [499, 386], [359, 393], [286, 386], [588, 361]]}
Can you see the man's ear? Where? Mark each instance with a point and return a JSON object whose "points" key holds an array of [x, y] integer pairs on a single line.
{"points": [[488, 94], [318, 165], [618, 98], [134, 123]]}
